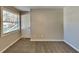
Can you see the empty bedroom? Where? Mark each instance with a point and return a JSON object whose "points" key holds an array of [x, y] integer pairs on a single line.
{"points": [[39, 29]]}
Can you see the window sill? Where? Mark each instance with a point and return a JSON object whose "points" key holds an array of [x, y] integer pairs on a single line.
{"points": [[10, 33]]}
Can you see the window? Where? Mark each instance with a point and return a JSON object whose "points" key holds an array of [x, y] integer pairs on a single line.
{"points": [[10, 21]]}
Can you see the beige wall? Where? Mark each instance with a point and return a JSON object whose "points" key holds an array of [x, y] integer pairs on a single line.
{"points": [[7, 40], [71, 26], [47, 24]]}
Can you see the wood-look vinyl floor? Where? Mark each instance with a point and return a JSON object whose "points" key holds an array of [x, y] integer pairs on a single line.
{"points": [[27, 46]]}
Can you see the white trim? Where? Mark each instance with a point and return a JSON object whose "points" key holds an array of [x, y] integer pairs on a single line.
{"points": [[72, 46], [10, 45], [25, 37], [47, 40]]}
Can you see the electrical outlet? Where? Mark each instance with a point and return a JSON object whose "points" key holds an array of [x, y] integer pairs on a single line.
{"points": [[42, 36]]}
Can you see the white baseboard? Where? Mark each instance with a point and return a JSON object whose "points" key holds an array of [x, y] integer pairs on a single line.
{"points": [[47, 40], [25, 37], [9, 45], [72, 46]]}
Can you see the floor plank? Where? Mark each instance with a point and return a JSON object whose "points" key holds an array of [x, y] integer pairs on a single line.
{"points": [[27, 46]]}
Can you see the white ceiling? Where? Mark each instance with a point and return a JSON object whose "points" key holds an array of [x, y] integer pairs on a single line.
{"points": [[27, 8]]}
